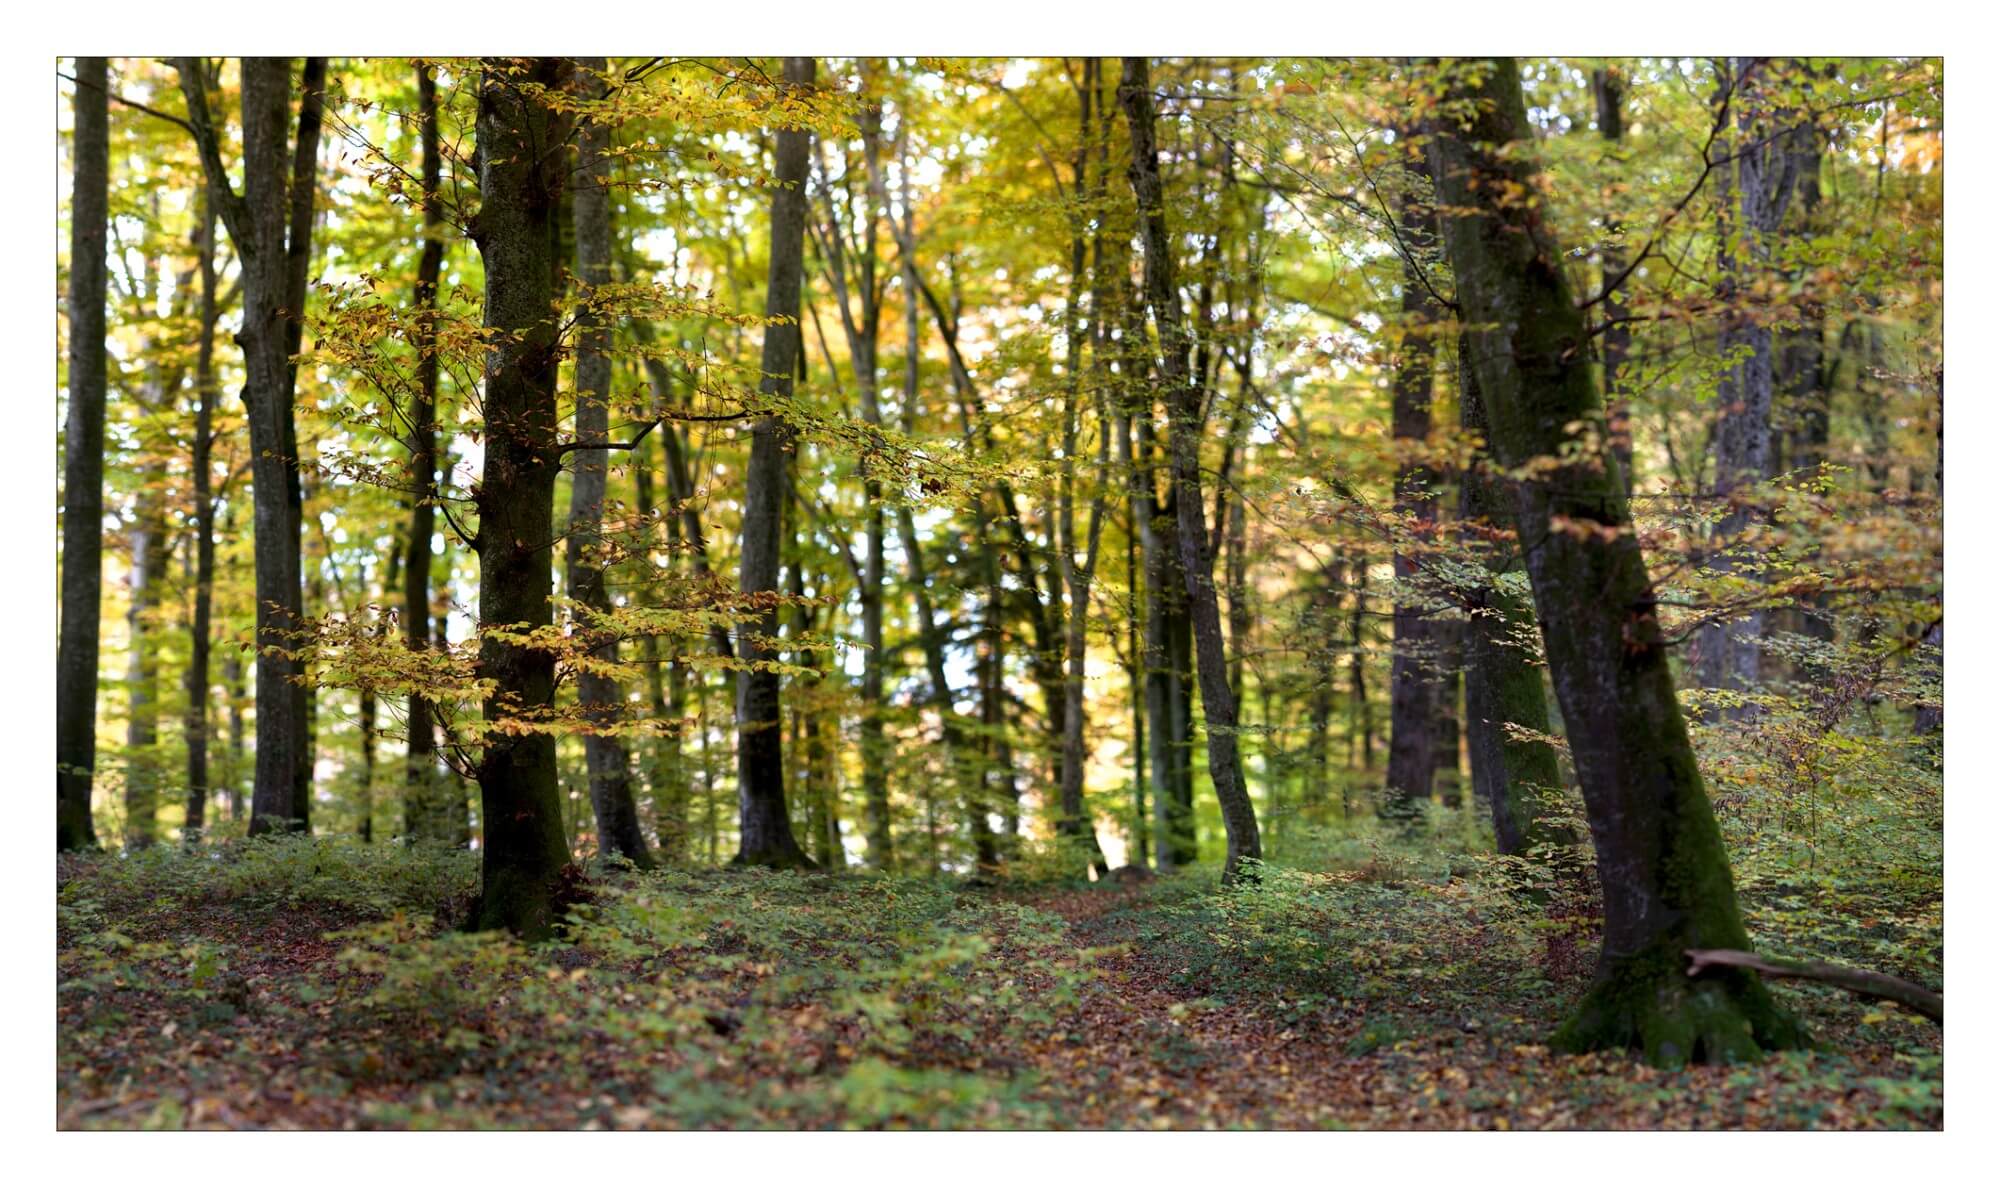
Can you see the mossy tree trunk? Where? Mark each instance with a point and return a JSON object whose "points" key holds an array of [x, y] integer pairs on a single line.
{"points": [[1665, 876], [1511, 773]]}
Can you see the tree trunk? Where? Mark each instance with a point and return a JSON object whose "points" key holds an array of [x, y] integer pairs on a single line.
{"points": [[1415, 688], [195, 721], [429, 812], [1607, 86], [600, 697], [256, 223], [765, 825], [83, 461], [521, 179], [1503, 682], [1184, 405], [1665, 876], [142, 681], [1728, 655]]}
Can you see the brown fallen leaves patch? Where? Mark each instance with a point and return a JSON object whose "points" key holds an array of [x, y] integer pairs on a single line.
{"points": [[275, 1041]]}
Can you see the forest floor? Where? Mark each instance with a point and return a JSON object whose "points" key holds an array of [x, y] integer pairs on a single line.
{"points": [[307, 985]]}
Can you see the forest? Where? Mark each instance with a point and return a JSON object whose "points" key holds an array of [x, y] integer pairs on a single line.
{"points": [[999, 593]]}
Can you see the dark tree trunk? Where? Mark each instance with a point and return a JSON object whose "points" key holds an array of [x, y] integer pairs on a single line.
{"points": [[521, 180], [600, 697], [256, 222], [764, 823], [1415, 689], [1665, 876], [195, 721], [1184, 408], [1607, 86], [433, 811], [1511, 773], [83, 462]]}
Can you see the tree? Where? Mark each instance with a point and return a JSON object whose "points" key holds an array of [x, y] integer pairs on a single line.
{"points": [[1184, 415], [762, 817], [83, 461], [1666, 880], [432, 810], [272, 298], [522, 177], [600, 695]]}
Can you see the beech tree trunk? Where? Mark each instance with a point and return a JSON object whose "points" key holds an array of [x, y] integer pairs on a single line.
{"points": [[600, 697], [764, 823], [83, 461], [1416, 690], [1503, 683], [1665, 876], [1184, 416], [521, 181], [195, 720], [147, 536], [433, 809], [1607, 87], [256, 220]]}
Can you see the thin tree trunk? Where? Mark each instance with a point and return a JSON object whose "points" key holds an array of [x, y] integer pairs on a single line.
{"points": [[600, 698], [149, 548], [83, 461], [1607, 86], [1665, 876], [256, 223], [195, 726], [1415, 687], [765, 824], [429, 812], [1184, 402]]}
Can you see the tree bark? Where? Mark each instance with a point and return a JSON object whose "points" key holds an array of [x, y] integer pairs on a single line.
{"points": [[601, 698], [1607, 86], [432, 812], [1665, 876], [522, 176], [147, 536], [195, 722], [764, 823], [83, 461], [1184, 406], [256, 223], [1511, 774]]}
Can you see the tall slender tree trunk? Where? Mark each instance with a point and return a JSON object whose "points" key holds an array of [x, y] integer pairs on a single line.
{"points": [[764, 823], [433, 809], [195, 721], [83, 461], [1607, 88], [1184, 413], [142, 680], [601, 698], [256, 220], [1415, 687], [1660, 858], [522, 177]]}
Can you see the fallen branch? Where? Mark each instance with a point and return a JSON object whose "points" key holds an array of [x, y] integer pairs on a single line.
{"points": [[1920, 999]]}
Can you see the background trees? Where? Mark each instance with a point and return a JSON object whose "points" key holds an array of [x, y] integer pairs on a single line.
{"points": [[851, 374]]}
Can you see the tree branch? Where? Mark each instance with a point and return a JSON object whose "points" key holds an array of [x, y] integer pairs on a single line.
{"points": [[1926, 1002]]}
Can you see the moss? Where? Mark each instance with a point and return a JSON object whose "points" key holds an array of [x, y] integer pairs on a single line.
{"points": [[1647, 1004]]}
